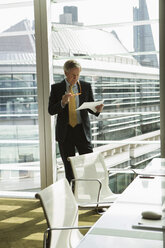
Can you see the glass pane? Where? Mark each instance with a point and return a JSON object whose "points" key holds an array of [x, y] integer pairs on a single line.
{"points": [[117, 44], [19, 137]]}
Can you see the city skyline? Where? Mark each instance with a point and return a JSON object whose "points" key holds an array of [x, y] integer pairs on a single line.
{"points": [[108, 12]]}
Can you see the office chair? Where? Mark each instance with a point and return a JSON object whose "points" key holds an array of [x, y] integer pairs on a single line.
{"points": [[61, 213], [91, 181]]}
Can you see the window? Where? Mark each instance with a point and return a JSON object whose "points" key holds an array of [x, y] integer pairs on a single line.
{"points": [[19, 135], [118, 50]]}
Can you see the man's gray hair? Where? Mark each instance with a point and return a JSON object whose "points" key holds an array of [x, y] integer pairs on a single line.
{"points": [[70, 64]]}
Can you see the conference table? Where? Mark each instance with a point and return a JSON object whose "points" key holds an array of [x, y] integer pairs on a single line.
{"points": [[122, 225]]}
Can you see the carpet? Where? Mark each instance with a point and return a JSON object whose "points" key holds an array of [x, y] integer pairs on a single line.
{"points": [[22, 223]]}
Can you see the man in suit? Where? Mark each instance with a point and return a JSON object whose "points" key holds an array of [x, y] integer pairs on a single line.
{"points": [[73, 126]]}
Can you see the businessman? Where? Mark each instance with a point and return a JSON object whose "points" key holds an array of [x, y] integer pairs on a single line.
{"points": [[73, 129]]}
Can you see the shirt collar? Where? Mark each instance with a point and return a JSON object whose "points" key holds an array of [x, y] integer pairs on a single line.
{"points": [[68, 84]]}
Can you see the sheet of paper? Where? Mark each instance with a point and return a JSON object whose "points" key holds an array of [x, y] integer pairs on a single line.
{"points": [[155, 225], [90, 105]]}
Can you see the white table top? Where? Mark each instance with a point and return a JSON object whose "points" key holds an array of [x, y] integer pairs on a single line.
{"points": [[115, 227]]}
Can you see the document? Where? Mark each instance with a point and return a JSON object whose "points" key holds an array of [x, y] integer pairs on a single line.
{"points": [[90, 105]]}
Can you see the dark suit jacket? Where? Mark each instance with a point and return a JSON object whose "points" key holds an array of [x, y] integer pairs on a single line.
{"points": [[57, 91]]}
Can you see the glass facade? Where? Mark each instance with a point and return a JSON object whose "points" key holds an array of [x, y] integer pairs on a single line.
{"points": [[116, 59], [19, 135], [119, 56]]}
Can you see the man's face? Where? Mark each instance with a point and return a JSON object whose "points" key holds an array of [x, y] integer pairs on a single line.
{"points": [[73, 75]]}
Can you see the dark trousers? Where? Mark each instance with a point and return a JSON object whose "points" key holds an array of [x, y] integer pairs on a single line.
{"points": [[75, 139]]}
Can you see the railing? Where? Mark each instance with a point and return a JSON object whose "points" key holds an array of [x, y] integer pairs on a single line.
{"points": [[128, 151], [124, 154]]}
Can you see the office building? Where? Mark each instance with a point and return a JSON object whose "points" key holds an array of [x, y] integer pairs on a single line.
{"points": [[72, 10], [70, 16], [143, 36]]}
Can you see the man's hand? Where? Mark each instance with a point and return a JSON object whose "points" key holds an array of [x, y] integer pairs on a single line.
{"points": [[99, 108], [65, 99]]}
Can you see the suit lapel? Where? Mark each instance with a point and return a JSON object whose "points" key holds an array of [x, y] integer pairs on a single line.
{"points": [[62, 92], [80, 96], [63, 87]]}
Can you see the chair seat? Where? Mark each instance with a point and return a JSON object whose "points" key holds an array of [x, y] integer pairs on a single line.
{"points": [[61, 213], [104, 203], [91, 181]]}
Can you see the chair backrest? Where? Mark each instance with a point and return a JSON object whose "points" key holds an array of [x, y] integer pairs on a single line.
{"points": [[61, 210], [90, 166]]}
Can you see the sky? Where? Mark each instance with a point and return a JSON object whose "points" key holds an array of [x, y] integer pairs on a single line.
{"points": [[90, 12], [104, 11], [99, 11]]}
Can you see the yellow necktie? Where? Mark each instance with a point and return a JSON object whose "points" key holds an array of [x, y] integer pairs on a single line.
{"points": [[72, 109]]}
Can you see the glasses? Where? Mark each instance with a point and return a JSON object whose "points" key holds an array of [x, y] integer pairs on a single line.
{"points": [[79, 93]]}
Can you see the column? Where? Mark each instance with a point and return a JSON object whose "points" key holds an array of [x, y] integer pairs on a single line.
{"points": [[162, 73], [44, 80]]}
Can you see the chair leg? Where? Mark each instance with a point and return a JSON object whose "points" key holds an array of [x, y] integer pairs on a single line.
{"points": [[46, 239], [101, 210], [72, 184]]}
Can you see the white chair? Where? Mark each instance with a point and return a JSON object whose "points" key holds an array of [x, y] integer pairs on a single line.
{"points": [[91, 187], [61, 213]]}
